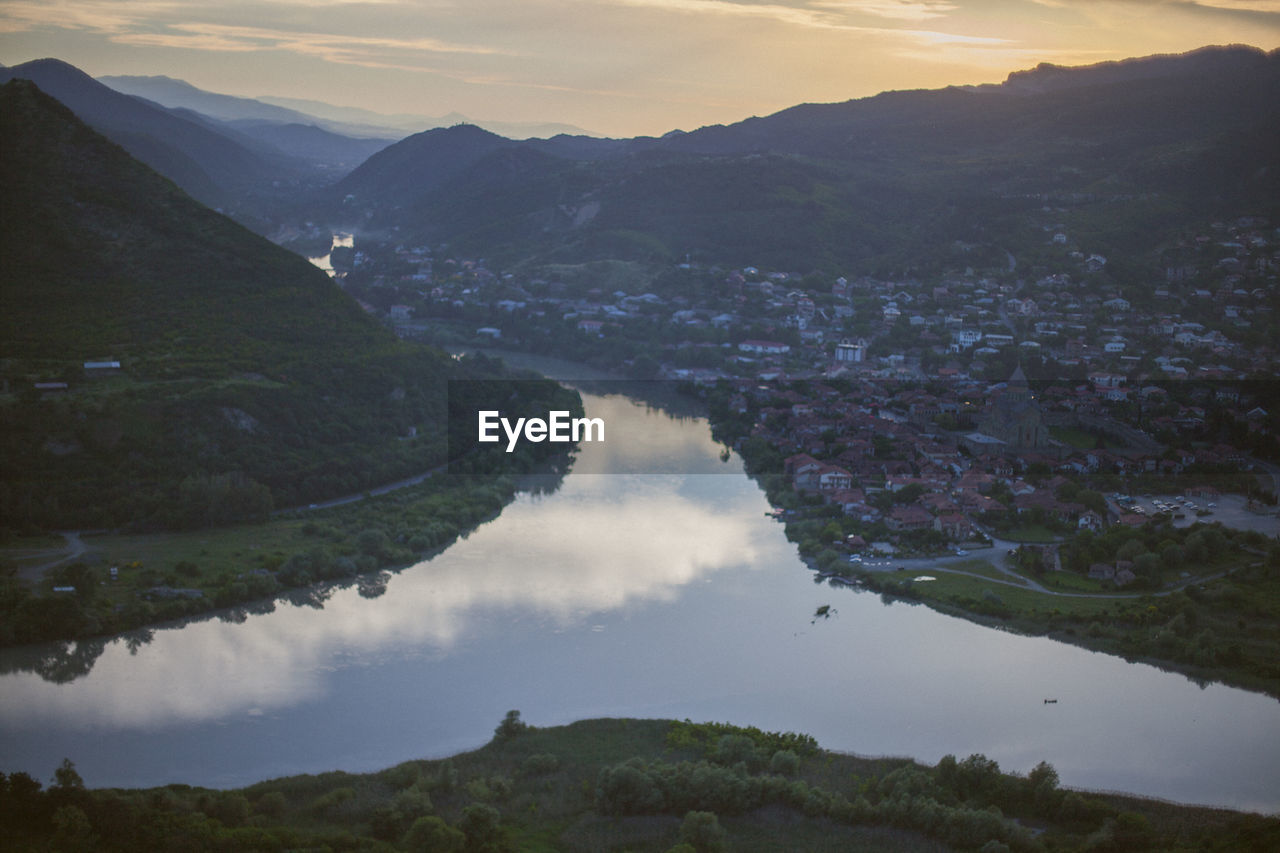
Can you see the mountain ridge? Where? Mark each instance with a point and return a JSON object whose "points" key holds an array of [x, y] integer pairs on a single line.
{"points": [[207, 164], [857, 184]]}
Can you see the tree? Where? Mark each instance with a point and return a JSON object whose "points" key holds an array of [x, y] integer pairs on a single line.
{"points": [[1131, 550], [510, 726], [480, 826], [66, 777], [703, 832], [432, 835], [72, 831]]}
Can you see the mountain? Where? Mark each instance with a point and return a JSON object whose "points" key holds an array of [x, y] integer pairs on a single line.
{"points": [[345, 121], [893, 181], [331, 152], [179, 93], [419, 164], [379, 123], [205, 163], [326, 156], [245, 376]]}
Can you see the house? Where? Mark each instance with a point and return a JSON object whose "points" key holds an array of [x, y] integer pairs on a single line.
{"points": [[909, 518], [1089, 520], [831, 479], [1102, 572], [954, 526]]}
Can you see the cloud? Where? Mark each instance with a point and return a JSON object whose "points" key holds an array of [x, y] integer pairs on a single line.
{"points": [[829, 15], [1263, 7], [904, 10], [332, 47]]}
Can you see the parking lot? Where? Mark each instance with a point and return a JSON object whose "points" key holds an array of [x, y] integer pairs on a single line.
{"points": [[1231, 510]]}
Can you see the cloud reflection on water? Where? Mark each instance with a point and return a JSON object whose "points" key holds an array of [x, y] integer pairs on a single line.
{"points": [[599, 544]]}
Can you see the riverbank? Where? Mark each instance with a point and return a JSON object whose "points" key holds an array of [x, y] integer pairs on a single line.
{"points": [[115, 582], [1217, 625], [644, 785]]}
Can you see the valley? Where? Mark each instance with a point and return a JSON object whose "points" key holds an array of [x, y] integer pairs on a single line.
{"points": [[1004, 350]]}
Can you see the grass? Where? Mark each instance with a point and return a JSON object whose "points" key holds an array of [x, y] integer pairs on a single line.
{"points": [[1223, 629], [545, 790], [1071, 582], [978, 566], [1074, 436], [963, 591]]}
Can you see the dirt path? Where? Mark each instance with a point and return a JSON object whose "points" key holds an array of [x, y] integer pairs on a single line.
{"points": [[74, 548]]}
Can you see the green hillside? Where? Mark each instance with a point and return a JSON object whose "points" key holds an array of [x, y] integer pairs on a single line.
{"points": [[246, 379]]}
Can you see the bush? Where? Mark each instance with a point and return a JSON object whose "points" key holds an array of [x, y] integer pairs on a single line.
{"points": [[433, 835], [784, 763], [702, 831]]}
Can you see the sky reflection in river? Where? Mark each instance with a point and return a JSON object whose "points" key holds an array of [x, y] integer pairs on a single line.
{"points": [[629, 595], [595, 545]]}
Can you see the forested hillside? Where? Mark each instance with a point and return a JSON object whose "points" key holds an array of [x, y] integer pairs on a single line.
{"points": [[166, 367]]}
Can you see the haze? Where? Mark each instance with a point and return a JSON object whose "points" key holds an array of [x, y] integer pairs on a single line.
{"points": [[615, 67]]}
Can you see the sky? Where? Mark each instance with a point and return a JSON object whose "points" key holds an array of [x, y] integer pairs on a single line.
{"points": [[615, 67]]}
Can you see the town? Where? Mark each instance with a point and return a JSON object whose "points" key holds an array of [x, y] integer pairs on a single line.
{"points": [[1032, 400]]}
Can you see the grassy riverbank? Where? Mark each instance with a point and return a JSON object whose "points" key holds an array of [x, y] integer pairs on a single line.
{"points": [[100, 583], [638, 785], [1223, 629], [166, 576], [1205, 601]]}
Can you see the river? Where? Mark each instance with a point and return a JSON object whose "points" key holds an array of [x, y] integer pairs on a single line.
{"points": [[650, 584]]}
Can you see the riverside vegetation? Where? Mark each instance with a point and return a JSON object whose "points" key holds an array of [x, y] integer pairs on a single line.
{"points": [[618, 784], [178, 373], [1206, 601]]}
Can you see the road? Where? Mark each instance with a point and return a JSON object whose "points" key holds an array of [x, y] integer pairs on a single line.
{"points": [[359, 496], [75, 547]]}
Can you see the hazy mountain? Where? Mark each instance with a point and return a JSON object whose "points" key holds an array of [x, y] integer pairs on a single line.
{"points": [[179, 93], [890, 179], [237, 357], [413, 123], [332, 152], [207, 164], [418, 164], [375, 123]]}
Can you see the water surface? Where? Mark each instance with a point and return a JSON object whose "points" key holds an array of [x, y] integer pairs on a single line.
{"points": [[628, 594]]}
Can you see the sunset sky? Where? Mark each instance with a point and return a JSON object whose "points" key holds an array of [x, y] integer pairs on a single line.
{"points": [[618, 67]]}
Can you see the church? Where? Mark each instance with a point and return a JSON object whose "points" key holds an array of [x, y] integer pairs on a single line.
{"points": [[1014, 420]]}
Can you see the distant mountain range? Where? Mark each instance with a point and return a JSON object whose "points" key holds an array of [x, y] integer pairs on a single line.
{"points": [[346, 121], [883, 182], [895, 181], [244, 155], [208, 164]]}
